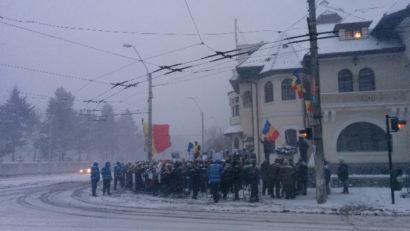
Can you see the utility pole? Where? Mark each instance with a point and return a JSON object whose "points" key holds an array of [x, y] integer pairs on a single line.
{"points": [[389, 149], [321, 195], [150, 96]]}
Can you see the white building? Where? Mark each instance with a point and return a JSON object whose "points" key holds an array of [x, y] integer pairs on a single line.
{"points": [[364, 70]]}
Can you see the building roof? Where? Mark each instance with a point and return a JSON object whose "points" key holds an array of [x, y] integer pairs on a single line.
{"points": [[237, 128], [281, 55]]}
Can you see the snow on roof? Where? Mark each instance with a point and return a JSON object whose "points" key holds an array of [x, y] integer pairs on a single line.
{"points": [[237, 128], [276, 56], [398, 6]]}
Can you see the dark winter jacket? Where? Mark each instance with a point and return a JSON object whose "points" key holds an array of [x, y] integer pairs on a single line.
{"points": [[287, 173], [117, 171], [254, 175], [274, 172], [343, 172], [106, 172], [95, 173], [215, 171], [301, 171], [327, 175], [264, 170], [267, 146]]}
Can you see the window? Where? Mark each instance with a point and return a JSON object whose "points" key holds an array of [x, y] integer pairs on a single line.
{"points": [[247, 99], [290, 137], [235, 106], [287, 93], [366, 80], [345, 80], [236, 143], [268, 92], [362, 137]]}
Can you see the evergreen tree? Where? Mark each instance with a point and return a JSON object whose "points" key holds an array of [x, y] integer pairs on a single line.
{"points": [[61, 119], [17, 122]]}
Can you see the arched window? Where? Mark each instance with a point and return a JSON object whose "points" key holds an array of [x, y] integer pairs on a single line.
{"points": [[268, 92], [287, 93], [362, 137], [236, 143], [290, 137], [345, 80], [366, 80]]}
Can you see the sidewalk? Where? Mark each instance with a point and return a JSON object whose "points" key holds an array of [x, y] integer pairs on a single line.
{"points": [[360, 201]]}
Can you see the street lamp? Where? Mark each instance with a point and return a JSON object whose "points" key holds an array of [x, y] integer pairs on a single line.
{"points": [[202, 121], [150, 96]]}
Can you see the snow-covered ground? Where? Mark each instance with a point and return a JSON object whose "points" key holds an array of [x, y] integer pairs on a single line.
{"points": [[64, 202], [368, 201], [364, 201]]}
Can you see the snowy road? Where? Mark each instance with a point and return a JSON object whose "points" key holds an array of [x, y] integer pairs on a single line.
{"points": [[60, 204]]}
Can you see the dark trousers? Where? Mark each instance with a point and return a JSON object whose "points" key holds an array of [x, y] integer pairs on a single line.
{"points": [[122, 181], [265, 186], [94, 187], [116, 180], [274, 188], [106, 186], [236, 188], [195, 189], [302, 187], [254, 193], [288, 191], [214, 192], [345, 184], [267, 157]]}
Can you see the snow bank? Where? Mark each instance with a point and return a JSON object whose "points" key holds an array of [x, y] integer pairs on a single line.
{"points": [[360, 201]]}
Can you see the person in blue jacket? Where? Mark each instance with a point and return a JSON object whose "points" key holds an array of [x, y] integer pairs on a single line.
{"points": [[107, 178], [117, 174], [215, 172], [95, 177]]}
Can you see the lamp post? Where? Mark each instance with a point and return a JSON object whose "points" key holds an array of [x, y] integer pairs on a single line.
{"points": [[202, 121], [150, 96]]}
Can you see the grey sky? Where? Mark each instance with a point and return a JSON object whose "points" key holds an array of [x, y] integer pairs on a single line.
{"points": [[27, 49]]}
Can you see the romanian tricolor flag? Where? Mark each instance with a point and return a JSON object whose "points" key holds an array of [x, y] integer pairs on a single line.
{"points": [[160, 137], [296, 84], [270, 132], [309, 106]]}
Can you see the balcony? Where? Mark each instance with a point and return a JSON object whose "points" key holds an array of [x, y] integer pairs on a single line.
{"points": [[365, 99]]}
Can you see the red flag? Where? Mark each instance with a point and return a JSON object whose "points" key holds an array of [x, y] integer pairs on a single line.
{"points": [[161, 137]]}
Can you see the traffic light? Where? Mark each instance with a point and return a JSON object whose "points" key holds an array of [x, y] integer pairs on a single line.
{"points": [[397, 124], [397, 179], [307, 133]]}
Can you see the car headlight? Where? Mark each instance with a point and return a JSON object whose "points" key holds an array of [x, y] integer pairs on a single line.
{"points": [[81, 171], [88, 170]]}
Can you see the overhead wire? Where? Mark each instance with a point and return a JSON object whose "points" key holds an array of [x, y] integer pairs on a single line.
{"points": [[117, 31]]}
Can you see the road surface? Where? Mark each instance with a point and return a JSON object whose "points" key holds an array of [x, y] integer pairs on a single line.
{"points": [[62, 206]]}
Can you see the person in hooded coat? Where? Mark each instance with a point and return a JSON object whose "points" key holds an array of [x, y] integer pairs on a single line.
{"points": [[215, 172], [95, 177], [107, 178]]}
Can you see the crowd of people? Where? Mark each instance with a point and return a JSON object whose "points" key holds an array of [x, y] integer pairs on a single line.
{"points": [[221, 177], [281, 179]]}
